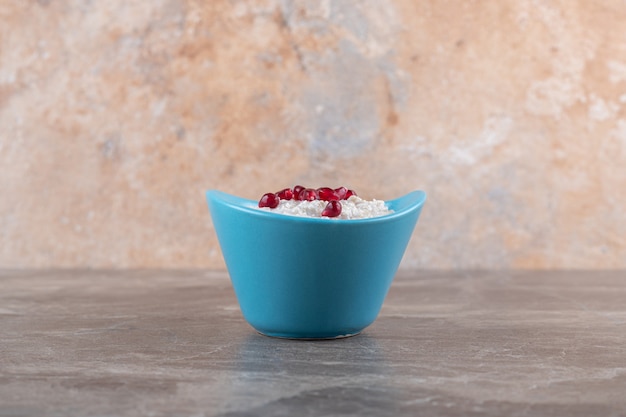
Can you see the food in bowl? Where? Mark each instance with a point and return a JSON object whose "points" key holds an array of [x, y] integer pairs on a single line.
{"points": [[311, 277], [337, 203]]}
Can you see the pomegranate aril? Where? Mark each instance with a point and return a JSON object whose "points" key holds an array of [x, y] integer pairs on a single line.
{"points": [[308, 194], [327, 194], [286, 194], [332, 209], [269, 200], [296, 192], [341, 192], [349, 194]]}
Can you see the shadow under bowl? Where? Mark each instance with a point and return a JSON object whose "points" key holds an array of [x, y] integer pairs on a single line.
{"points": [[311, 278]]}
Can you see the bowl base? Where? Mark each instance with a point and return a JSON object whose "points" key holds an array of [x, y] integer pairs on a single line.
{"points": [[288, 337]]}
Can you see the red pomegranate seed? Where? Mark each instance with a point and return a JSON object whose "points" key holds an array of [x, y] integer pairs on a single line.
{"points": [[349, 194], [269, 200], [296, 192], [308, 194], [327, 194], [286, 194], [332, 209], [341, 192]]}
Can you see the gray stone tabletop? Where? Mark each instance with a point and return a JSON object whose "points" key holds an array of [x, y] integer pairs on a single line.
{"points": [[173, 343]]}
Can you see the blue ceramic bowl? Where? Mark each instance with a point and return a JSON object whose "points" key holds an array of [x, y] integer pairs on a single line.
{"points": [[311, 278]]}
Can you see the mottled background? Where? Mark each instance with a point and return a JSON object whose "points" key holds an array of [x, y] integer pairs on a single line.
{"points": [[116, 116]]}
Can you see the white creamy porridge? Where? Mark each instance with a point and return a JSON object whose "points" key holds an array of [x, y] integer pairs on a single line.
{"points": [[352, 208]]}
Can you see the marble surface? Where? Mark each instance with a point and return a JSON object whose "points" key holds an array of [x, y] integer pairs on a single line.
{"points": [[116, 116], [168, 343]]}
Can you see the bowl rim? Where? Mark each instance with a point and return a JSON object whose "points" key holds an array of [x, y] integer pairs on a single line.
{"points": [[401, 206]]}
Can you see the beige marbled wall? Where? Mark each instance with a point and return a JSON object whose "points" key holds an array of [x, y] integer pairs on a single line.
{"points": [[116, 115]]}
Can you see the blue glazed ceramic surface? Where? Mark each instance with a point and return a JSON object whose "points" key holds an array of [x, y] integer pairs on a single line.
{"points": [[311, 278]]}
